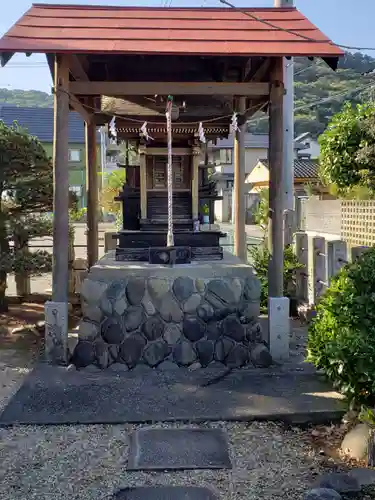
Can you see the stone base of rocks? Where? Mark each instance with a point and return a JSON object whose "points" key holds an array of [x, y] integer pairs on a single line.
{"points": [[185, 315]]}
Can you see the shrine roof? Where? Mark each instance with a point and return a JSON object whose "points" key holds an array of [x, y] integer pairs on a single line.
{"points": [[92, 29]]}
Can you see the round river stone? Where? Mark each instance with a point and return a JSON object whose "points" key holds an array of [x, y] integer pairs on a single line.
{"points": [[205, 350], [133, 318], [193, 328], [84, 354], [183, 287], [156, 352], [132, 348], [153, 328], [135, 291], [111, 331], [232, 328]]}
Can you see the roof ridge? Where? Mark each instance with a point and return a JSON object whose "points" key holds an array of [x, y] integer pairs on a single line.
{"points": [[141, 8]]}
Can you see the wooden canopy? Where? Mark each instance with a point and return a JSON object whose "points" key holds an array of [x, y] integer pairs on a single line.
{"points": [[203, 56]]}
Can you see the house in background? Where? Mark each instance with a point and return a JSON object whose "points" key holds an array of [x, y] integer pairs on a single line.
{"points": [[221, 156], [305, 177], [39, 123], [310, 146]]}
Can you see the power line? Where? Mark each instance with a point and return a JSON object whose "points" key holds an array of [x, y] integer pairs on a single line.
{"points": [[291, 32], [24, 66]]}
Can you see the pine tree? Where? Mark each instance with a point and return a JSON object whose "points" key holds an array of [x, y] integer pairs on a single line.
{"points": [[26, 194]]}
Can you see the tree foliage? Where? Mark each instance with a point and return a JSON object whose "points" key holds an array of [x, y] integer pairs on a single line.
{"points": [[259, 258], [261, 211], [347, 149], [26, 192], [112, 185]]}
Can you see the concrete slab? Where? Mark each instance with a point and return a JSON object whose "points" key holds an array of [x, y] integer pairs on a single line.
{"points": [[55, 395], [166, 493], [178, 449], [107, 268]]}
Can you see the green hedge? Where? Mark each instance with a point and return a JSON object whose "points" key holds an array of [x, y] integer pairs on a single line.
{"points": [[342, 335]]}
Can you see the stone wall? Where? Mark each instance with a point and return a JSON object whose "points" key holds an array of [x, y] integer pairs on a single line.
{"points": [[323, 217], [188, 315]]}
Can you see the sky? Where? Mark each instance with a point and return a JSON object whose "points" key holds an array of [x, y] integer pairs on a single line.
{"points": [[346, 22]]}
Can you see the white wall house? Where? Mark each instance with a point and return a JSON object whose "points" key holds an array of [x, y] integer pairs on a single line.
{"points": [[310, 149], [221, 155]]}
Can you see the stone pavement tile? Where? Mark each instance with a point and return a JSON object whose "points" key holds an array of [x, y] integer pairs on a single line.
{"points": [[55, 395], [178, 449], [166, 493]]}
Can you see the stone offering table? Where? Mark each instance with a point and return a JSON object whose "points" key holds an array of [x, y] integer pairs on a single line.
{"points": [[156, 315]]}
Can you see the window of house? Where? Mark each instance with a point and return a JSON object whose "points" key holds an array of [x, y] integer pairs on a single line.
{"points": [[77, 190], [74, 155], [226, 156], [230, 184]]}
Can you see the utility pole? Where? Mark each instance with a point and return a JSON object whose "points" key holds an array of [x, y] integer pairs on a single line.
{"points": [[288, 130]]}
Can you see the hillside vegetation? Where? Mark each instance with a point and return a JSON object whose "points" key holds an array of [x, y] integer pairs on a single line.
{"points": [[319, 91], [26, 98]]}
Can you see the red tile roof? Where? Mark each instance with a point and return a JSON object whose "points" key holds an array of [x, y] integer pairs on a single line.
{"points": [[188, 31]]}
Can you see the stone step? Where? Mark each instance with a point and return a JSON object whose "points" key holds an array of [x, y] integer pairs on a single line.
{"points": [[155, 449], [166, 493]]}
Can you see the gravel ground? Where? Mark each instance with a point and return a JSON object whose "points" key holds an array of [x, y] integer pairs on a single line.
{"points": [[270, 462], [89, 462]]}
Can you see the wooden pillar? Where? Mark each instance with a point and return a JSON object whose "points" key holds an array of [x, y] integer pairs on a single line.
{"points": [[56, 311], [195, 157], [60, 275], [143, 180], [276, 193], [239, 186], [92, 191]]}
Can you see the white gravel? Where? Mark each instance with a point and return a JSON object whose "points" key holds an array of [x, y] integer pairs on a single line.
{"points": [[89, 462]]}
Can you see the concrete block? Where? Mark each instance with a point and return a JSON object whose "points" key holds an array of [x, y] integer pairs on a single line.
{"points": [[279, 327], [56, 334]]}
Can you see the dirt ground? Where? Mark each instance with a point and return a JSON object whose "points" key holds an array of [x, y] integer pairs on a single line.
{"points": [[21, 344]]}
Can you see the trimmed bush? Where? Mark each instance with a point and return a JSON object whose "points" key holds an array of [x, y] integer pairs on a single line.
{"points": [[342, 335], [259, 257]]}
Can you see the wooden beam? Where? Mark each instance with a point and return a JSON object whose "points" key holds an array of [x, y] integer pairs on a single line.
{"points": [[164, 151], [79, 107], [276, 189], [248, 68], [5, 57], [174, 88], [261, 71], [183, 122], [77, 70], [92, 195], [239, 189]]}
